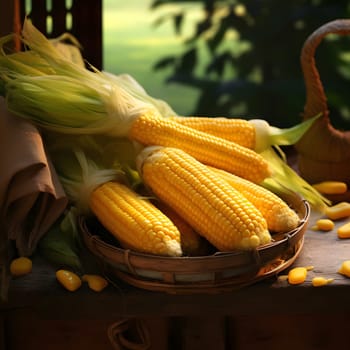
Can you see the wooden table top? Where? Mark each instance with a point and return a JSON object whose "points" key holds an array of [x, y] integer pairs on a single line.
{"points": [[323, 250]]}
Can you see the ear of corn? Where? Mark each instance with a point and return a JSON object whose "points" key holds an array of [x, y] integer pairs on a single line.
{"points": [[279, 216], [150, 129], [240, 131], [255, 134], [192, 244], [209, 204], [134, 221]]}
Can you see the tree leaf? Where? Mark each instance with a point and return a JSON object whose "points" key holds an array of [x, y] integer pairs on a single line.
{"points": [[165, 62]]}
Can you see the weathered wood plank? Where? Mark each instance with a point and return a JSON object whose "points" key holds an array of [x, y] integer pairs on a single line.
{"points": [[2, 333], [322, 250], [200, 333], [290, 332], [27, 330], [325, 251]]}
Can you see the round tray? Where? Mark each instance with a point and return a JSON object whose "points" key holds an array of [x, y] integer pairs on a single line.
{"points": [[221, 271]]}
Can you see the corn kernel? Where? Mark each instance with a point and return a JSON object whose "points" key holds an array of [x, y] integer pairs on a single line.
{"points": [[321, 281], [68, 280], [325, 225], [344, 231], [297, 275], [21, 266], [338, 211], [345, 268], [282, 278], [95, 282], [331, 187]]}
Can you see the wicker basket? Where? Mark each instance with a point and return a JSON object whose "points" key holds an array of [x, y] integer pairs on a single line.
{"points": [[221, 271], [333, 161]]}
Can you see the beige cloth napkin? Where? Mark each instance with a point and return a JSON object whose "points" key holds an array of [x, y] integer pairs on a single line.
{"points": [[31, 196]]}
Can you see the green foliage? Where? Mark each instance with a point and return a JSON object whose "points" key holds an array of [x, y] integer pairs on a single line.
{"points": [[61, 245], [249, 52]]}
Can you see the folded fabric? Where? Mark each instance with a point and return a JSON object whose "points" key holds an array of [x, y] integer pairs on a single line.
{"points": [[31, 196]]}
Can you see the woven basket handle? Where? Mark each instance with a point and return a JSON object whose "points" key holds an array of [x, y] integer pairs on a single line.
{"points": [[316, 100]]}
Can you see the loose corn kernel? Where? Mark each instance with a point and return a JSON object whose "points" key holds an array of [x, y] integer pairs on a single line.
{"points": [[344, 231], [321, 281], [324, 225], [21, 266], [297, 275], [282, 278], [95, 282], [345, 268], [68, 280], [331, 187], [338, 211]]}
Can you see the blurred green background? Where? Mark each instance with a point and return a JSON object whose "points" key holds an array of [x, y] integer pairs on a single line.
{"points": [[229, 58]]}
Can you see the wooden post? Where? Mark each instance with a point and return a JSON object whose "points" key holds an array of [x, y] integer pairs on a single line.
{"points": [[6, 23], [85, 23]]}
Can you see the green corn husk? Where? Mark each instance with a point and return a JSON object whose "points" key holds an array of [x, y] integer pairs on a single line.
{"points": [[79, 176], [88, 101], [97, 102], [286, 180], [268, 135], [61, 245]]}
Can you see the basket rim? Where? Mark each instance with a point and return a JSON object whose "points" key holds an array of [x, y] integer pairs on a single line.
{"points": [[236, 259], [208, 287]]}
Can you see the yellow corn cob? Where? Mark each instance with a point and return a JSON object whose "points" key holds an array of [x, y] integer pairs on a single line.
{"points": [[209, 204], [150, 129], [134, 221], [192, 244], [255, 134], [279, 216], [237, 130]]}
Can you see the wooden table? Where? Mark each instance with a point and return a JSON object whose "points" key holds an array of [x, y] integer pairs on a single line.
{"points": [[258, 315]]}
